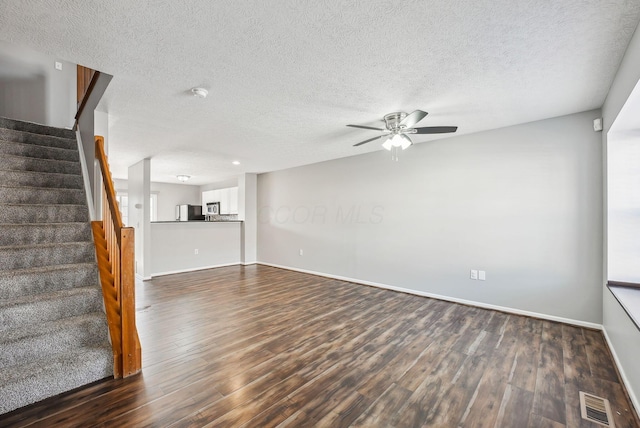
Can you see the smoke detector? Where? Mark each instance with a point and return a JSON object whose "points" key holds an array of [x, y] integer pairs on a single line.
{"points": [[200, 92]]}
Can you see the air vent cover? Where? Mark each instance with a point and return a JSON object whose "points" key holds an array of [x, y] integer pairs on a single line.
{"points": [[596, 409]]}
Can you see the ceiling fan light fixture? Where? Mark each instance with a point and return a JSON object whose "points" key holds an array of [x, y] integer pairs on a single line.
{"points": [[405, 141], [182, 178], [387, 145]]}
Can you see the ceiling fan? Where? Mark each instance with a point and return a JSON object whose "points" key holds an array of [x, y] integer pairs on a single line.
{"points": [[398, 125]]}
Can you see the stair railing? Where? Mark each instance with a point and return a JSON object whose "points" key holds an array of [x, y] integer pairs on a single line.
{"points": [[86, 80], [115, 250]]}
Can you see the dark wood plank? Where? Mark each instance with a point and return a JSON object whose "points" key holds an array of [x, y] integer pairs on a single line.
{"points": [[599, 356], [549, 394], [387, 405], [516, 407], [260, 346]]}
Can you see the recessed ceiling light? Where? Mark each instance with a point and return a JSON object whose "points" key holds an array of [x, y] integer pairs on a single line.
{"points": [[236, 162], [183, 178], [200, 92]]}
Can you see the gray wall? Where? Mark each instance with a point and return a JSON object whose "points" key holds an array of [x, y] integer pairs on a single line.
{"points": [[31, 89], [523, 203], [86, 125], [623, 335], [173, 246]]}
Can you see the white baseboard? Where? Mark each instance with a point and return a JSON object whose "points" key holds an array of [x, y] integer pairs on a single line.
{"points": [[192, 269], [548, 317], [623, 375]]}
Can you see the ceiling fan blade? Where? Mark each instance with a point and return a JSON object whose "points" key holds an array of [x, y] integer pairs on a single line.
{"points": [[413, 118], [435, 129], [366, 127], [367, 141]]}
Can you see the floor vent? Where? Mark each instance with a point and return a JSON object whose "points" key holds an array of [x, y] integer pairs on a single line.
{"points": [[596, 409]]}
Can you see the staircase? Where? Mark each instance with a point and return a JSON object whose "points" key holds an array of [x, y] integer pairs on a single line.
{"points": [[53, 329]]}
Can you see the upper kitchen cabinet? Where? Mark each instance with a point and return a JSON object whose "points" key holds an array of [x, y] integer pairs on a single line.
{"points": [[227, 197]]}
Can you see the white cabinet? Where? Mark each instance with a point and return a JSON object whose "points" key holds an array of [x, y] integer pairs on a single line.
{"points": [[233, 200], [224, 201], [228, 199]]}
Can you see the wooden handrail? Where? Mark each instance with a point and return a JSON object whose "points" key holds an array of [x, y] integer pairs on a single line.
{"points": [[87, 79], [109, 189], [115, 250]]}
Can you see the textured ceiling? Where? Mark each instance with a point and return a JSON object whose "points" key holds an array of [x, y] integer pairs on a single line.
{"points": [[285, 77]]}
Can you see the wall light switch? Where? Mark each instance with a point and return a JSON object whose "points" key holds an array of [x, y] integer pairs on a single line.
{"points": [[301, 252], [195, 251], [474, 274], [482, 275], [58, 65]]}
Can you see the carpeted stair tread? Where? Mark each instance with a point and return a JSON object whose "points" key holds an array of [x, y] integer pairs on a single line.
{"points": [[36, 128], [54, 375], [53, 330], [40, 179], [43, 213], [35, 233], [24, 195], [24, 256], [35, 341], [14, 136], [46, 279], [25, 163], [49, 306], [38, 152]]}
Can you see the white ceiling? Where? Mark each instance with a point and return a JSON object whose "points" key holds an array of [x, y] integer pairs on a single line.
{"points": [[285, 77]]}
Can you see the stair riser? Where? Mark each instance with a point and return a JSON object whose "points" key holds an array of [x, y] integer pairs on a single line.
{"points": [[20, 163], [22, 258], [17, 214], [37, 139], [39, 195], [17, 284], [86, 332], [38, 152], [53, 376], [52, 309], [40, 179], [31, 234], [35, 128]]}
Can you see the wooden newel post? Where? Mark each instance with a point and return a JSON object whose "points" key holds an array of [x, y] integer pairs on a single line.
{"points": [[128, 306]]}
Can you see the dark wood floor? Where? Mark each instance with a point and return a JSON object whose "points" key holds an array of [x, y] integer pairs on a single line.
{"points": [[258, 347]]}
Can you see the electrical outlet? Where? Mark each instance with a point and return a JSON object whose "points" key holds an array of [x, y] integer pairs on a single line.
{"points": [[482, 275], [474, 274], [58, 65], [301, 252], [195, 251]]}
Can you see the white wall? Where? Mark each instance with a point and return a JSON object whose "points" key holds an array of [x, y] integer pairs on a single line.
{"points": [[139, 192], [169, 195], [523, 203], [232, 182], [623, 335], [31, 89], [247, 211]]}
